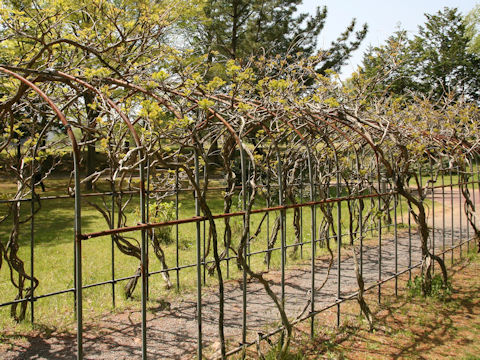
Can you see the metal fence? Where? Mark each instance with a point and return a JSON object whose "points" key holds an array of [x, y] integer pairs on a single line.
{"points": [[446, 236], [314, 203]]}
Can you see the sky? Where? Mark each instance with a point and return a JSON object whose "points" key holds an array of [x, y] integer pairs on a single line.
{"points": [[382, 16]]}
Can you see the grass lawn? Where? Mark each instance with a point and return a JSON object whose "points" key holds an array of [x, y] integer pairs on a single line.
{"points": [[54, 261]]}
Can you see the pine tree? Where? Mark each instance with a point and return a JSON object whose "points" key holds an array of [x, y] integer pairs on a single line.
{"points": [[238, 29], [393, 61], [440, 56]]}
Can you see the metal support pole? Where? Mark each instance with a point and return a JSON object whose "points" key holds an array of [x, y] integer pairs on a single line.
{"points": [[401, 207], [204, 233], [227, 249], [372, 205], [467, 180], [395, 239], [409, 220], [460, 210], [204, 262], [144, 261], [360, 230], [147, 219], [177, 259], [32, 241], [267, 201], [78, 260], [282, 226], [75, 310], [339, 239], [244, 272], [478, 183], [420, 175], [379, 236], [247, 195], [360, 217], [443, 212], [433, 214], [451, 213], [478, 177], [474, 218], [199, 260], [313, 230], [112, 250], [301, 213]]}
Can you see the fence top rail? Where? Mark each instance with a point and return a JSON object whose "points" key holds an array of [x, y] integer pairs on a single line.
{"points": [[213, 188], [226, 215]]}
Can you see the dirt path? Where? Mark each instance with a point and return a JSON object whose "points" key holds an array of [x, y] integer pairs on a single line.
{"points": [[406, 327], [172, 331]]}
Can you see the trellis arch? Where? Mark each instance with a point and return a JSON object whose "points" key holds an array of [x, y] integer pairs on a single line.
{"points": [[300, 128]]}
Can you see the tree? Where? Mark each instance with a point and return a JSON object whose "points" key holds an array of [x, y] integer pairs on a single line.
{"points": [[393, 60], [436, 61], [237, 29], [123, 39], [472, 25], [440, 56]]}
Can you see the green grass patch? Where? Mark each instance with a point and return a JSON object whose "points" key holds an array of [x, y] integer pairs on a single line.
{"points": [[54, 252]]}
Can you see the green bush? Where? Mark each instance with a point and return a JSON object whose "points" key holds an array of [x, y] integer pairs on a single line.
{"points": [[161, 212], [439, 290]]}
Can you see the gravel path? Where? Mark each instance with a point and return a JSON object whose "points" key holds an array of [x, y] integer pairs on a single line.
{"points": [[172, 331]]}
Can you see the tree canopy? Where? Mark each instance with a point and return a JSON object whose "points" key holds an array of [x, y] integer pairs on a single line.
{"points": [[436, 61], [472, 24], [239, 29], [119, 38]]}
